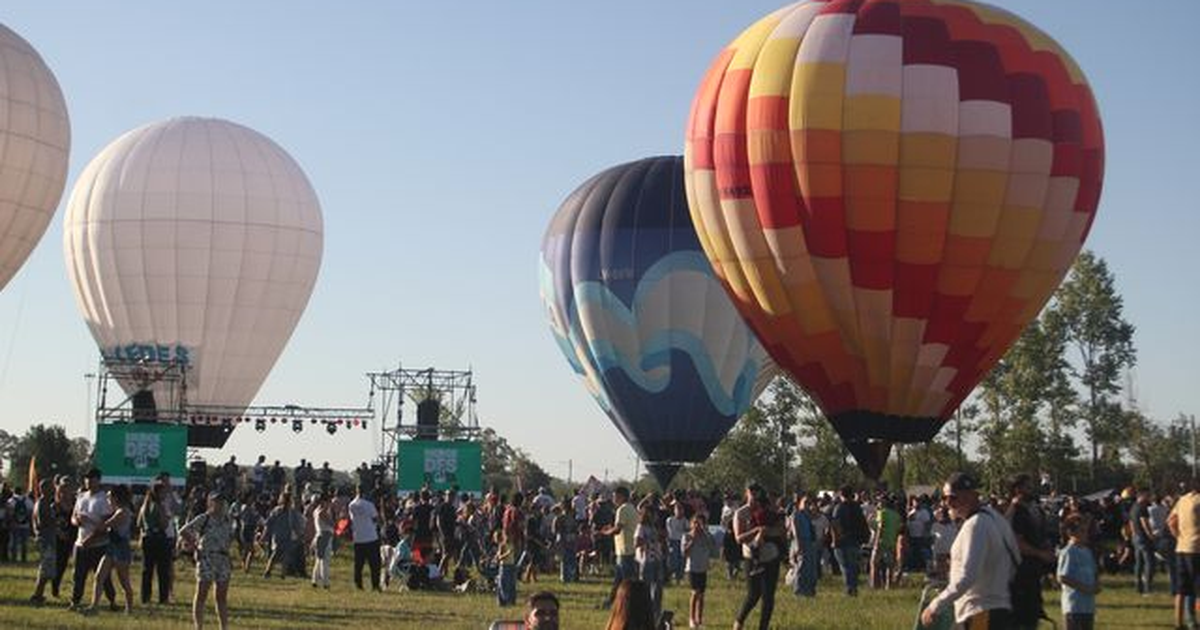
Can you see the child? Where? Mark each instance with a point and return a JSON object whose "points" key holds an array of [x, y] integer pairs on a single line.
{"points": [[506, 584], [698, 550], [1077, 574]]}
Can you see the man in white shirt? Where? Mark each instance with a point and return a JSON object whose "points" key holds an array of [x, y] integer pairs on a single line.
{"points": [[580, 505], [364, 520], [983, 560], [91, 544]]}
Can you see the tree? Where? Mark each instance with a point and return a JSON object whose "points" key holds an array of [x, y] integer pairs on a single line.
{"points": [[1160, 453], [497, 460], [529, 475], [1090, 312], [56, 454]]}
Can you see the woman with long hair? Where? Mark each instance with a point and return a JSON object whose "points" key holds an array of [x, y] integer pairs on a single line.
{"points": [[631, 608], [157, 553], [322, 544], [120, 552]]}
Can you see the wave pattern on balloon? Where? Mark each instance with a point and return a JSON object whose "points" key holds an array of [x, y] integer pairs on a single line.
{"points": [[891, 192], [635, 308]]}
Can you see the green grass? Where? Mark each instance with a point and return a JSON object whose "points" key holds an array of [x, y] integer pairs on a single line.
{"points": [[258, 603]]}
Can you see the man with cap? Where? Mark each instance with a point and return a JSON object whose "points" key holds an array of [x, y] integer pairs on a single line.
{"points": [[983, 560]]}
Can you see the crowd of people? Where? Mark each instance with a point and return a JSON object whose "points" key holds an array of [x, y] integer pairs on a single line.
{"points": [[994, 553]]}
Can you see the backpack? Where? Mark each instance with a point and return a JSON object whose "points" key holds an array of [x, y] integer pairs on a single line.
{"points": [[20, 512]]}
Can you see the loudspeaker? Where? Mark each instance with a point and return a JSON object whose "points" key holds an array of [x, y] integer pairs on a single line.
{"points": [[144, 409], [428, 411]]}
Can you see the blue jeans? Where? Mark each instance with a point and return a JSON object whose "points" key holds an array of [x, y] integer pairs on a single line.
{"points": [[18, 543], [570, 564], [848, 559], [506, 585], [1166, 547], [675, 559], [1143, 565], [806, 580]]}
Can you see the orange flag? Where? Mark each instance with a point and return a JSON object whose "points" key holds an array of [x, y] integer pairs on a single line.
{"points": [[33, 477]]}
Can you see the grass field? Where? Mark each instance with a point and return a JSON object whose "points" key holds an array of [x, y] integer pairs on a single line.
{"points": [[258, 603]]}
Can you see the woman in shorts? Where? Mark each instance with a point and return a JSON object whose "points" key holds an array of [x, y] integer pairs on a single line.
{"points": [[120, 552], [211, 534]]}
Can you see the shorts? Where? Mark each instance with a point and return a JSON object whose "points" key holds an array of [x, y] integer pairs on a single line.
{"points": [[120, 552], [1188, 565], [213, 567], [885, 558], [698, 581], [996, 619]]}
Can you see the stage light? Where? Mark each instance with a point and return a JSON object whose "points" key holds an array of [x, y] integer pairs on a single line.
{"points": [[297, 425], [331, 428], [260, 425]]}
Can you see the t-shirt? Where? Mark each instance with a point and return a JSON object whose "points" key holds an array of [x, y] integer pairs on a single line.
{"points": [[1136, 514], [849, 517], [95, 506], [676, 528], [580, 505], [1187, 511], [1078, 564], [650, 545], [888, 527], [699, 555], [362, 520], [1157, 513], [944, 533], [626, 521], [920, 523]]}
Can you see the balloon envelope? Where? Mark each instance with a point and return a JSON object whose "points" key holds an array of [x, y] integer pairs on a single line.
{"points": [[194, 240], [35, 137], [634, 306], [891, 191]]}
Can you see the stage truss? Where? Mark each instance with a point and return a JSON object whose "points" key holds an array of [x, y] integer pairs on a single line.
{"points": [[454, 390]]}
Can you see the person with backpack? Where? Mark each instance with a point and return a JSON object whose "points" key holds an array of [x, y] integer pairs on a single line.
{"points": [[850, 532], [21, 508], [983, 560]]}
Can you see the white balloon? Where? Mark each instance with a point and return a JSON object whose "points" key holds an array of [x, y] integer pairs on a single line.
{"points": [[196, 240], [35, 137]]}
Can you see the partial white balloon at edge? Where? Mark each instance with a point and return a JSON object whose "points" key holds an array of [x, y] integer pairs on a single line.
{"points": [[35, 139]]}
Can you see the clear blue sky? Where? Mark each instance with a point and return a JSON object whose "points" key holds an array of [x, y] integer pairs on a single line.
{"points": [[440, 139]]}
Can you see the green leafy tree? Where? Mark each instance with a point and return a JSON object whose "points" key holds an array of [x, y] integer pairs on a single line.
{"points": [[56, 454], [1090, 311], [497, 457], [528, 474]]}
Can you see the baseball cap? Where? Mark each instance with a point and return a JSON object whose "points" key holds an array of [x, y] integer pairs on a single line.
{"points": [[961, 481]]}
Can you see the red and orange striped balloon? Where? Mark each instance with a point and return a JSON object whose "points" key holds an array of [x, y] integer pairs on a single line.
{"points": [[890, 191]]}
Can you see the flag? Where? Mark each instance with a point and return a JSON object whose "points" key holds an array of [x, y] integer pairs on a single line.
{"points": [[32, 487]]}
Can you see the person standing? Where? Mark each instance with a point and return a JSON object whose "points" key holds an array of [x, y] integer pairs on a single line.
{"points": [[156, 548], [566, 532], [258, 474], [1078, 576], [761, 532], [699, 549], [119, 555], [1143, 543], [888, 523], [1037, 558], [805, 551], [20, 508], [648, 544], [982, 561], [91, 510], [67, 531], [849, 528], [506, 560], [322, 541], [623, 531], [211, 534], [281, 533], [364, 525], [1184, 524], [677, 526], [45, 527]]}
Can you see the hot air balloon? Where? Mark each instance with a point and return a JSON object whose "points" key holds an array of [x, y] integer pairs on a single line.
{"points": [[35, 137], [891, 191], [194, 241], [634, 306]]}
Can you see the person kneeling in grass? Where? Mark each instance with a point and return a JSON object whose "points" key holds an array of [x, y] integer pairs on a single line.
{"points": [[1077, 574]]}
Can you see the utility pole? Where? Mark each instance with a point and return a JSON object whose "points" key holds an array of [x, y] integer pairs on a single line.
{"points": [[958, 436], [570, 472]]}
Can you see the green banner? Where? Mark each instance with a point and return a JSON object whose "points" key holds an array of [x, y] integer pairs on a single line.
{"points": [[136, 453], [439, 466]]}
